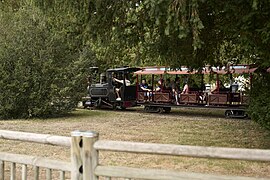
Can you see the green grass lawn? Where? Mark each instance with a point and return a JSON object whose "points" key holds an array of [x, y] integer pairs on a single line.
{"points": [[182, 126]]}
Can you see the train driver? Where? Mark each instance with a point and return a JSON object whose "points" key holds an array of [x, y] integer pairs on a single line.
{"points": [[117, 90]]}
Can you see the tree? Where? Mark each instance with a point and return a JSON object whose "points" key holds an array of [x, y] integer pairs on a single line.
{"points": [[260, 103], [164, 30], [247, 25], [35, 67]]}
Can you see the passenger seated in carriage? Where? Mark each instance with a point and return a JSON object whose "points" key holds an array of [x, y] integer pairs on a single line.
{"points": [[219, 88], [168, 84], [159, 86], [144, 87], [176, 89], [184, 91], [185, 88]]}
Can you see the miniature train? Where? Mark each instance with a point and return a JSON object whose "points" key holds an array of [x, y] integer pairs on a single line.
{"points": [[103, 94]]}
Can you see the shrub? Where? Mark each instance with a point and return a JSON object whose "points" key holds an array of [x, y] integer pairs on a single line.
{"points": [[259, 108], [36, 67]]}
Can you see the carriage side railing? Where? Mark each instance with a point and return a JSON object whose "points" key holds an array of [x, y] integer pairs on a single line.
{"points": [[85, 148], [194, 97]]}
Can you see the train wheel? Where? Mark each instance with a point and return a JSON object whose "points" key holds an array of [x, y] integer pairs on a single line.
{"points": [[97, 103], [167, 109], [228, 113], [114, 106], [146, 108], [160, 110], [123, 107]]}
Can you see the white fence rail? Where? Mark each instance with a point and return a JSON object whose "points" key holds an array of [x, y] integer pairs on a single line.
{"points": [[36, 162], [180, 150], [36, 138], [85, 148]]}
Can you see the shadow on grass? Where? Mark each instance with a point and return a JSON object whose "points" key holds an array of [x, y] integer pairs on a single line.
{"points": [[184, 111], [208, 113], [190, 112], [77, 113], [83, 113], [196, 112]]}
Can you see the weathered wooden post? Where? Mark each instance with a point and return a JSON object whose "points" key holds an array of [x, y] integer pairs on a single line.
{"points": [[90, 155], [2, 170], [48, 174], [76, 160], [36, 173], [62, 175], [24, 172], [12, 171]]}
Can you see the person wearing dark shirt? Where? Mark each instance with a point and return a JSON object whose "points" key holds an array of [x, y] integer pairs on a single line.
{"points": [[144, 87]]}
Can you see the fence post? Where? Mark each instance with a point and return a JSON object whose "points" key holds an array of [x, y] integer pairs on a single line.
{"points": [[2, 170], [12, 171], [76, 160], [24, 172], [90, 155], [36, 173]]}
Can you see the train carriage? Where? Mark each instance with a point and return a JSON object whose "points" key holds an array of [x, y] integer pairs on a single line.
{"points": [[232, 101]]}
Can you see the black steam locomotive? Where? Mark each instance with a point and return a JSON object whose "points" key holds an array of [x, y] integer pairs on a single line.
{"points": [[103, 94]]}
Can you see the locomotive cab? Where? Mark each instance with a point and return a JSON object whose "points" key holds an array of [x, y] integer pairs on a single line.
{"points": [[104, 94]]}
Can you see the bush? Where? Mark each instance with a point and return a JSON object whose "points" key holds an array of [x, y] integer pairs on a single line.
{"points": [[36, 67], [259, 108]]}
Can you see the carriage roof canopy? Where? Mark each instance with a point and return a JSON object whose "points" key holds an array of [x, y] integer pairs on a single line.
{"points": [[124, 69], [233, 69]]}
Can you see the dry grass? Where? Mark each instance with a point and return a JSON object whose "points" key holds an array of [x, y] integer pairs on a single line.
{"points": [[183, 126]]}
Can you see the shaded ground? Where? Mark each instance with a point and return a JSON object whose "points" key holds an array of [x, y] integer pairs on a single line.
{"points": [[183, 126]]}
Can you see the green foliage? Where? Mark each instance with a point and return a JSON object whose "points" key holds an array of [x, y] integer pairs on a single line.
{"points": [[35, 67], [166, 31], [246, 24], [260, 102], [181, 32], [229, 52]]}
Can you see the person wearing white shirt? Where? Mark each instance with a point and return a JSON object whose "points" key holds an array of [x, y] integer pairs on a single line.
{"points": [[117, 90]]}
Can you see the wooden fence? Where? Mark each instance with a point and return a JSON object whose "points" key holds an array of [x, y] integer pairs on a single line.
{"points": [[85, 148]]}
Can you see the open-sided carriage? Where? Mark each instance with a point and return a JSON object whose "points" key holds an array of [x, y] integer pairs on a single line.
{"points": [[233, 101]]}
